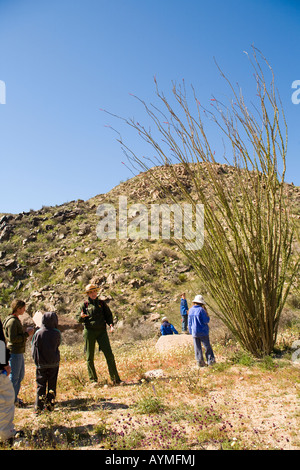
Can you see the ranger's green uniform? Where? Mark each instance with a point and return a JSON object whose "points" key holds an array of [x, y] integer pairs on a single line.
{"points": [[99, 315]]}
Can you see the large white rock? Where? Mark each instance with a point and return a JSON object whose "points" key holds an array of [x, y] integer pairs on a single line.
{"points": [[168, 342]]}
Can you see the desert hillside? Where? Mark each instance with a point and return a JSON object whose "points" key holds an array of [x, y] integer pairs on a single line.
{"points": [[48, 256]]}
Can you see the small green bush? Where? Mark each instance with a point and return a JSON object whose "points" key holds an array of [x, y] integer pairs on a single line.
{"points": [[149, 405]]}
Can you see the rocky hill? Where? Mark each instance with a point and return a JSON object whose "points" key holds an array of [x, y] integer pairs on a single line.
{"points": [[49, 255]]}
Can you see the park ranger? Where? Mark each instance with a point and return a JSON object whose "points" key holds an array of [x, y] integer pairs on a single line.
{"points": [[96, 315]]}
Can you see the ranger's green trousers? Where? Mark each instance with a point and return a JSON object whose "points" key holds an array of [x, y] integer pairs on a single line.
{"points": [[90, 337]]}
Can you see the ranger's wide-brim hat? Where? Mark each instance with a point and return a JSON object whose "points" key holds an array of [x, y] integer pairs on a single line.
{"points": [[90, 288]]}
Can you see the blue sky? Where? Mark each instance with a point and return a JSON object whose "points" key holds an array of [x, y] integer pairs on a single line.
{"points": [[62, 61]]}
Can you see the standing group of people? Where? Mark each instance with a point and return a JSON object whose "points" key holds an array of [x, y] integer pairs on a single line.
{"points": [[195, 321], [95, 315], [45, 341], [45, 352], [12, 367]]}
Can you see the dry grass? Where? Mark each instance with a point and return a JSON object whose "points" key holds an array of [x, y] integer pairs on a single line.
{"points": [[240, 403]]}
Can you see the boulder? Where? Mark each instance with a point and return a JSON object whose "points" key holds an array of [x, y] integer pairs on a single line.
{"points": [[169, 342], [10, 264], [154, 374], [26, 321], [64, 322], [136, 283], [6, 233]]}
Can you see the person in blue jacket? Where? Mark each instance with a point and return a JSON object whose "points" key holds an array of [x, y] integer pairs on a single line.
{"points": [[167, 328], [198, 320], [184, 313]]}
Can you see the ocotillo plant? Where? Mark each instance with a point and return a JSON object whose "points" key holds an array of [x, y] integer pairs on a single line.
{"points": [[247, 261]]}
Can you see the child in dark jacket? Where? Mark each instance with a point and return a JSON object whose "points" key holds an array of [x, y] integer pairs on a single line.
{"points": [[46, 355]]}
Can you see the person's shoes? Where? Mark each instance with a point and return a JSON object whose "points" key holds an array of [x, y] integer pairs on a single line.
{"points": [[211, 363], [11, 441], [93, 384], [50, 406], [18, 435], [118, 382], [50, 401], [19, 403], [201, 364]]}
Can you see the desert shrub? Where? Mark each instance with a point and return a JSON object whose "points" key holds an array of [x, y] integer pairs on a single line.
{"points": [[246, 259], [149, 404]]}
